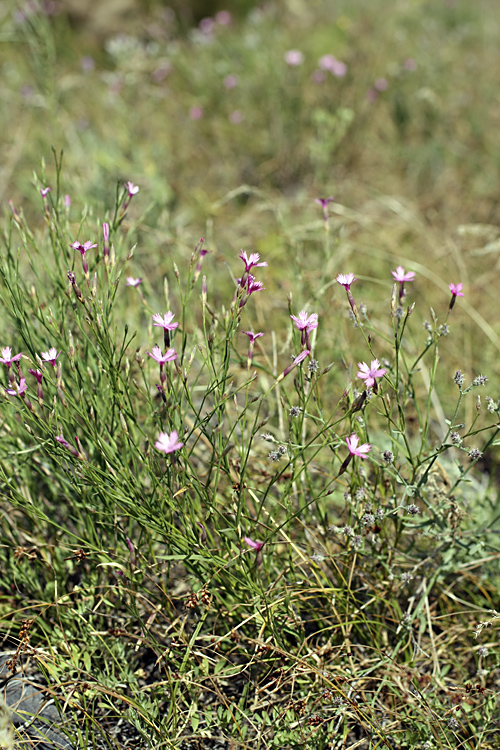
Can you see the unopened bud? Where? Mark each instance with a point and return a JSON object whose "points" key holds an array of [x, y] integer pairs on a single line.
{"points": [[478, 403], [124, 424]]}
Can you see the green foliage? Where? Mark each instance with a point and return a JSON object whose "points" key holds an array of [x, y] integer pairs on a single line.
{"points": [[258, 586]]}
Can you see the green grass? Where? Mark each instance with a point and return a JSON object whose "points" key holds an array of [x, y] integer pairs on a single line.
{"points": [[367, 617]]}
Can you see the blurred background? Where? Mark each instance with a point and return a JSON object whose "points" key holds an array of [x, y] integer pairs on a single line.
{"points": [[233, 116]]}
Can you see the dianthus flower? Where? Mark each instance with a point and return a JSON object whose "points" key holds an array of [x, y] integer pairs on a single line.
{"points": [[7, 358], [368, 373], [168, 443], [17, 389], [305, 322], [157, 355], [251, 261], [355, 449], [456, 291], [51, 356], [131, 188], [345, 280], [401, 275], [133, 282], [165, 321]]}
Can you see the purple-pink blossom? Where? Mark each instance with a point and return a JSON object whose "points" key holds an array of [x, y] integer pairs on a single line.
{"points": [[345, 280], [305, 322], [165, 321], [324, 201], [133, 282], [131, 189], [83, 248], [168, 443], [231, 81], [223, 18], [294, 57], [253, 543], [368, 373], [456, 290], [17, 389], [334, 66], [196, 113], [252, 336], [252, 285], [355, 449], [51, 356], [251, 261], [7, 358], [157, 355], [44, 192], [401, 275]]}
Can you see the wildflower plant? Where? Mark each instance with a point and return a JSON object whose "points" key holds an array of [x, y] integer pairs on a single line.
{"points": [[144, 465]]}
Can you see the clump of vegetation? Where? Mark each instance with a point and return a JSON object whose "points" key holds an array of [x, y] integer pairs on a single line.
{"points": [[244, 478]]}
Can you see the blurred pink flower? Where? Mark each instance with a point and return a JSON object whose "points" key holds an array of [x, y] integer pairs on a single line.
{"points": [[168, 443], [133, 282], [196, 113], [369, 373], [355, 449], [44, 192], [231, 81], [206, 25], [410, 64], [334, 66], [236, 117], [132, 189], [318, 76], [381, 84], [294, 57], [83, 248], [223, 18]]}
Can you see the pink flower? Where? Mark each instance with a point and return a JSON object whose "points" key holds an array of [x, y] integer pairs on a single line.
{"points": [[253, 544], [61, 439], [410, 64], [196, 113], [82, 248], [254, 286], [133, 282], [37, 374], [294, 57], [334, 66], [231, 81], [169, 355], [381, 84], [456, 290], [401, 275], [223, 18], [324, 201], [132, 189], [44, 192], [369, 373], [17, 389], [236, 118], [165, 321], [305, 322], [105, 231], [251, 261], [7, 358], [252, 336], [354, 450], [168, 443], [345, 280], [51, 356]]}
